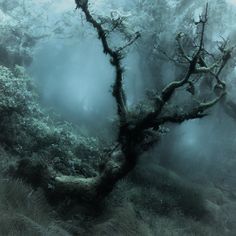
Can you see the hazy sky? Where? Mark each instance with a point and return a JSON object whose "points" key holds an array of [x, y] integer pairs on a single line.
{"points": [[232, 1]]}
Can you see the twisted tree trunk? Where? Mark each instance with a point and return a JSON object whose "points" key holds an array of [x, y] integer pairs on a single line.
{"points": [[133, 132]]}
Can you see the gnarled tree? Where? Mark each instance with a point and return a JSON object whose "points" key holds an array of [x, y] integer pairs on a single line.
{"points": [[138, 130]]}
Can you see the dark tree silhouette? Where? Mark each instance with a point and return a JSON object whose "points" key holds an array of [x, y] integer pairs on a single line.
{"points": [[138, 131]]}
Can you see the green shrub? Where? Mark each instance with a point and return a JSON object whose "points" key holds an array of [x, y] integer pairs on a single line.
{"points": [[27, 130]]}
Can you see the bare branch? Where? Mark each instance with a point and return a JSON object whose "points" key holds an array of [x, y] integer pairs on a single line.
{"points": [[206, 69], [169, 90], [151, 118], [116, 57], [202, 20], [171, 58], [133, 40], [181, 48], [197, 112]]}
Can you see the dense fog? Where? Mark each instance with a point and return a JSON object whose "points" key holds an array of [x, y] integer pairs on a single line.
{"points": [[73, 77]]}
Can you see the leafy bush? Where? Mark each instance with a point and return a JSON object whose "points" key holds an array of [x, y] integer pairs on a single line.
{"points": [[28, 131]]}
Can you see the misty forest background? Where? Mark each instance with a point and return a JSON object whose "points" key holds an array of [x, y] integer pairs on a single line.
{"points": [[59, 120]]}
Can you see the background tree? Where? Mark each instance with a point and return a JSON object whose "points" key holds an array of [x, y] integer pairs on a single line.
{"points": [[20, 36]]}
